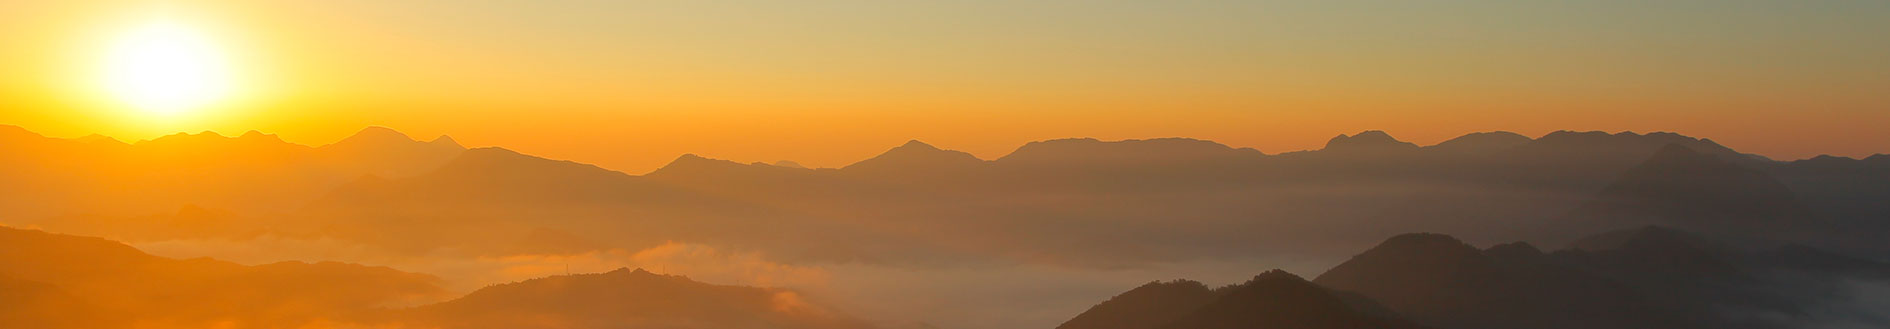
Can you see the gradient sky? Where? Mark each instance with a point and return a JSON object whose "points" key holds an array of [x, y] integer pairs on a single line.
{"points": [[630, 85]]}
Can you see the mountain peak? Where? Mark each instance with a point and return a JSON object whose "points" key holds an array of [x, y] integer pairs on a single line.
{"points": [[1701, 191], [916, 144], [99, 139], [1482, 142], [691, 160], [1514, 251], [1628, 140], [1369, 139], [1277, 275], [916, 155], [1402, 253], [446, 141], [1277, 299], [378, 134], [16, 130], [1410, 241], [1134, 152], [788, 164]]}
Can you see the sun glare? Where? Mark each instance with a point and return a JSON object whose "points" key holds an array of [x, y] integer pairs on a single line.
{"points": [[165, 68]]}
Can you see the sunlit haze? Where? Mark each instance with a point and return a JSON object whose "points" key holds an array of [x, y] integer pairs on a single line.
{"points": [[165, 68], [944, 164]]}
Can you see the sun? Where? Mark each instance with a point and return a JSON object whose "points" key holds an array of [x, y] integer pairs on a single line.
{"points": [[165, 68]]}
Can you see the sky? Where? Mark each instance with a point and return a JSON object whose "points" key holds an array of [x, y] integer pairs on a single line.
{"points": [[630, 85]]}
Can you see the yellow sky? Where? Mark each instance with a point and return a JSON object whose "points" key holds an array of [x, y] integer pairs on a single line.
{"points": [[630, 85]]}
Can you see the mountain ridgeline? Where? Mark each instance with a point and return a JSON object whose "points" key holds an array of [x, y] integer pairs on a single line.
{"points": [[1650, 277], [1698, 235], [1041, 201]]}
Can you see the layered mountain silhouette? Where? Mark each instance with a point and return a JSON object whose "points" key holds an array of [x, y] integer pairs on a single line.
{"points": [[1846, 192], [58, 281], [1437, 280], [1784, 234], [913, 161], [1481, 143], [1275, 299], [1647, 277], [30, 304], [1698, 191], [1368, 142], [62, 281], [393, 153], [253, 172], [380, 186], [623, 298], [1650, 277]]}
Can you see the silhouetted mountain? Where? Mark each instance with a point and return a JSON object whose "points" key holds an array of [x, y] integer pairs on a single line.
{"points": [[1481, 143], [1274, 299], [1586, 161], [28, 304], [1849, 193], [697, 171], [788, 164], [1277, 299], [624, 299], [915, 159], [1368, 156], [1652, 253], [384, 152], [1078, 152], [1649, 277], [253, 172], [1130, 164], [93, 275], [1437, 280], [1703, 192], [1692, 274], [1146, 307], [481, 196], [1367, 141]]}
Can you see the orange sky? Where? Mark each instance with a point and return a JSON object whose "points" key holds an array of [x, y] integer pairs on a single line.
{"points": [[631, 85]]}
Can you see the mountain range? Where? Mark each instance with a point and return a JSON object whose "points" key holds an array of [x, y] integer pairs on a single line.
{"points": [[1698, 235], [1649, 277], [1176, 197]]}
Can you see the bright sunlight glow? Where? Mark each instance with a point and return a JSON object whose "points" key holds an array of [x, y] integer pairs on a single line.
{"points": [[165, 68]]}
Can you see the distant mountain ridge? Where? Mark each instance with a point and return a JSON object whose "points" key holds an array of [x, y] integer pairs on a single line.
{"points": [[380, 182], [252, 172]]}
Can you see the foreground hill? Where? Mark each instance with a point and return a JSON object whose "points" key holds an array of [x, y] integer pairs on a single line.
{"points": [[62, 281], [623, 298], [1648, 277], [1274, 299], [1438, 280]]}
